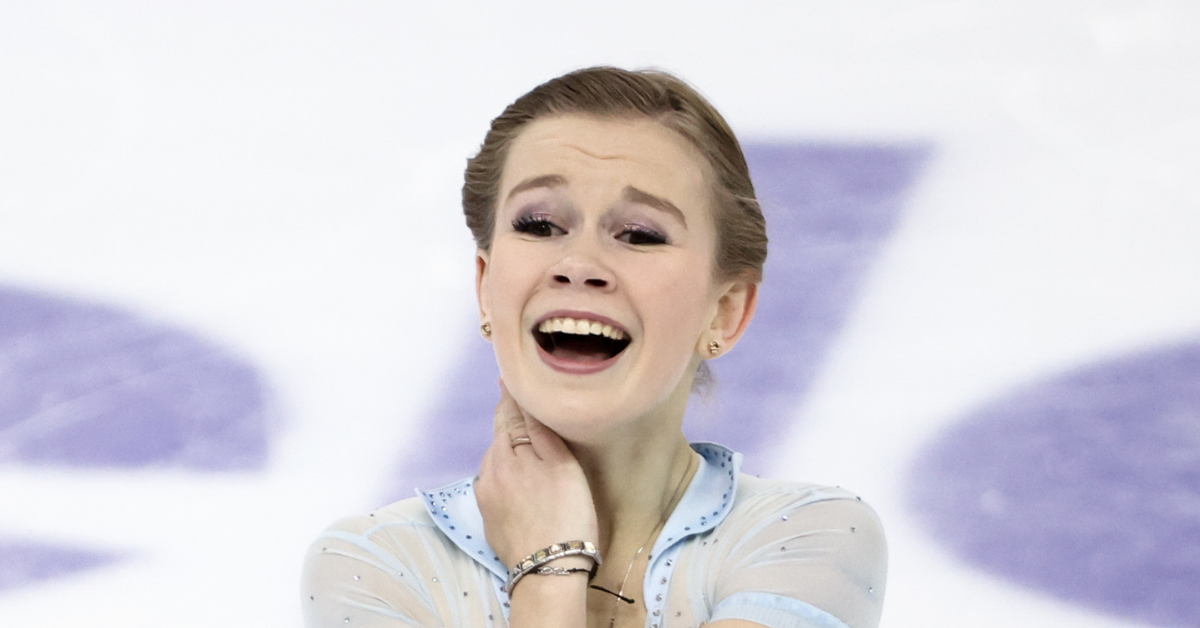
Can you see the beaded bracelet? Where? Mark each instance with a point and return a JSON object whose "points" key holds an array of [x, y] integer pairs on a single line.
{"points": [[559, 550]]}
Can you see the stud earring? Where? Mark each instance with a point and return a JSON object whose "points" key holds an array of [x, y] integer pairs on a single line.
{"points": [[486, 330], [714, 347]]}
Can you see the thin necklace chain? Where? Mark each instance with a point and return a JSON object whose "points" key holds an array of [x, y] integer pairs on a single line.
{"points": [[620, 594]]}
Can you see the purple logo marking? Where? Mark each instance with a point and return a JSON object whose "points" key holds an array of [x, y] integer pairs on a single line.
{"points": [[1086, 486], [87, 386], [828, 209], [23, 562]]}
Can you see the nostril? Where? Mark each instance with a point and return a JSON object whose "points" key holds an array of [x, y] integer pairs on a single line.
{"points": [[562, 279], [599, 283]]}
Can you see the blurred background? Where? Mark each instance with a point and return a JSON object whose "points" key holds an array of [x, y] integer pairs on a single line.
{"points": [[236, 293]]}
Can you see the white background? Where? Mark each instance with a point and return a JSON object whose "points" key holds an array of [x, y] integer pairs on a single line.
{"points": [[283, 177]]}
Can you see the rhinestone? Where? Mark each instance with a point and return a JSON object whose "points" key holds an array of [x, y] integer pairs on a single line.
{"points": [[853, 529], [664, 581], [468, 536], [311, 597], [785, 517], [435, 578], [670, 562], [658, 598], [656, 612], [346, 620], [357, 578], [679, 613], [870, 589]]}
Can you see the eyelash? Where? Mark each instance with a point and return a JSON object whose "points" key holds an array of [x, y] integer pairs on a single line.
{"points": [[633, 233], [539, 225], [536, 225]]}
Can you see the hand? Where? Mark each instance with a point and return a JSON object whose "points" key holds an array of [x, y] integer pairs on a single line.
{"points": [[531, 495]]}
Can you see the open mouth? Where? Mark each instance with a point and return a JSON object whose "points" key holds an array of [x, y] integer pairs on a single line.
{"points": [[580, 340]]}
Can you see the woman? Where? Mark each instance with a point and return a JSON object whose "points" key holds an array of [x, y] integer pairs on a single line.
{"points": [[620, 246]]}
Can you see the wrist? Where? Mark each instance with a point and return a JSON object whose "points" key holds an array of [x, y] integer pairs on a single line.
{"points": [[556, 553], [550, 601]]}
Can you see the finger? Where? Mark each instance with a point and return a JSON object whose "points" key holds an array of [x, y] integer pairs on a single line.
{"points": [[511, 425], [507, 413], [547, 444]]}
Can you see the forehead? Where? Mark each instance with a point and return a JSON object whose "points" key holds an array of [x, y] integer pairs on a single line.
{"points": [[601, 153]]}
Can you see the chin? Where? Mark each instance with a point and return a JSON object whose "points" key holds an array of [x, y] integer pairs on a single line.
{"points": [[576, 417]]}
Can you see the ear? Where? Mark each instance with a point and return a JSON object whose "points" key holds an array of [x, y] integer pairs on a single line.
{"points": [[482, 295], [735, 308]]}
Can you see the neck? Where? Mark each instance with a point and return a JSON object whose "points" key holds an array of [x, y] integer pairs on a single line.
{"points": [[634, 477]]}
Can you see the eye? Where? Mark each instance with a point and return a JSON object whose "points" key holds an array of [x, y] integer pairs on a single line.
{"points": [[638, 234], [537, 225]]}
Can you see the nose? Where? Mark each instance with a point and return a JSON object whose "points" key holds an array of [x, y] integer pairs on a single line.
{"points": [[590, 281], [583, 267]]}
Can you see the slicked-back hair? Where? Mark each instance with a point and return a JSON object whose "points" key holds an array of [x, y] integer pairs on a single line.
{"points": [[607, 92]]}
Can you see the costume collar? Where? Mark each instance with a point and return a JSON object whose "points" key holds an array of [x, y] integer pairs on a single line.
{"points": [[704, 504]]}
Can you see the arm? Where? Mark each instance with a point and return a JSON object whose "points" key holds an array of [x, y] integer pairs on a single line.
{"points": [[531, 496]]}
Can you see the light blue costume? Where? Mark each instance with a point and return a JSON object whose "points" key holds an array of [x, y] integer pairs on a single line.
{"points": [[781, 554]]}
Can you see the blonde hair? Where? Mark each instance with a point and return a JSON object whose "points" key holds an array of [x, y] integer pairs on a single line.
{"points": [[659, 96]]}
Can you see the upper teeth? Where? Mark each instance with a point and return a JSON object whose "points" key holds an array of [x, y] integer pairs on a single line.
{"points": [[580, 326]]}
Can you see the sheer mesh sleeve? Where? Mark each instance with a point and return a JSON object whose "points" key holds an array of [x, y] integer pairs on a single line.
{"points": [[808, 557], [390, 569]]}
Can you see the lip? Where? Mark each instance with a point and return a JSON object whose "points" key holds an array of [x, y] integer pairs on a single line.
{"points": [[569, 366]]}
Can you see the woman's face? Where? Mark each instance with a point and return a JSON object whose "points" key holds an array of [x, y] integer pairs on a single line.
{"points": [[598, 285]]}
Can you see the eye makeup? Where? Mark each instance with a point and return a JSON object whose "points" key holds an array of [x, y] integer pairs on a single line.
{"points": [[536, 224], [634, 233]]}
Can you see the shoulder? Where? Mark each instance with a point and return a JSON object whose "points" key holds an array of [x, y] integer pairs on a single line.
{"points": [[838, 520], [379, 566], [760, 496], [389, 536], [406, 513], [803, 547]]}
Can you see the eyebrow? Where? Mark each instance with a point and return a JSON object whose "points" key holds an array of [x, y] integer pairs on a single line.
{"points": [[635, 195], [544, 181], [630, 194]]}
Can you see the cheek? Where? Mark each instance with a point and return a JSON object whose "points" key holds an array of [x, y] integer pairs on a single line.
{"points": [[679, 308]]}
